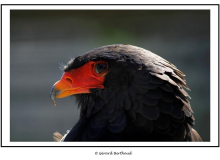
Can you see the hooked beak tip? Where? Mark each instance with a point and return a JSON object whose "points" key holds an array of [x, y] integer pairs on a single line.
{"points": [[53, 99], [52, 96], [54, 103]]}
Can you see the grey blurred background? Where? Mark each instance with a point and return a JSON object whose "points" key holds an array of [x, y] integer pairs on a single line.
{"points": [[41, 39]]}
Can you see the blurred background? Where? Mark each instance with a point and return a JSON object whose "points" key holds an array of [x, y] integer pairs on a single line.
{"points": [[41, 39]]}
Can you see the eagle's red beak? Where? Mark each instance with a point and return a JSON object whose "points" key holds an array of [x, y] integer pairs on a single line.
{"points": [[77, 81]]}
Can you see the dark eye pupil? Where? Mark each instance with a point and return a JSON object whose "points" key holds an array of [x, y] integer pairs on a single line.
{"points": [[99, 68]]}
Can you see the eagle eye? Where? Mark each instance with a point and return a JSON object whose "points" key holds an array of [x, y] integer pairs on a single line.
{"points": [[100, 67]]}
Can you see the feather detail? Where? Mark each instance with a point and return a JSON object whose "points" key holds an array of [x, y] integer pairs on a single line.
{"points": [[57, 136]]}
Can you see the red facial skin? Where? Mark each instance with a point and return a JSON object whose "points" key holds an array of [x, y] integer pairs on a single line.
{"points": [[77, 81]]}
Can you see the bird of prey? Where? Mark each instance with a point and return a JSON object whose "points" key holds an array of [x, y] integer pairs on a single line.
{"points": [[126, 93]]}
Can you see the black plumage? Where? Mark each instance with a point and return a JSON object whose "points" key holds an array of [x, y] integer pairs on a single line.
{"points": [[143, 99]]}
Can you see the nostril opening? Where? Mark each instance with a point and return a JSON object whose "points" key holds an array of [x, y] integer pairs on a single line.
{"points": [[69, 80]]}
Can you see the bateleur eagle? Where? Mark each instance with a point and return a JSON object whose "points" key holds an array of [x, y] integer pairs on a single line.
{"points": [[126, 93]]}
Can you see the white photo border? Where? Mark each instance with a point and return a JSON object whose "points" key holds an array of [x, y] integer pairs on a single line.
{"points": [[214, 50]]}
